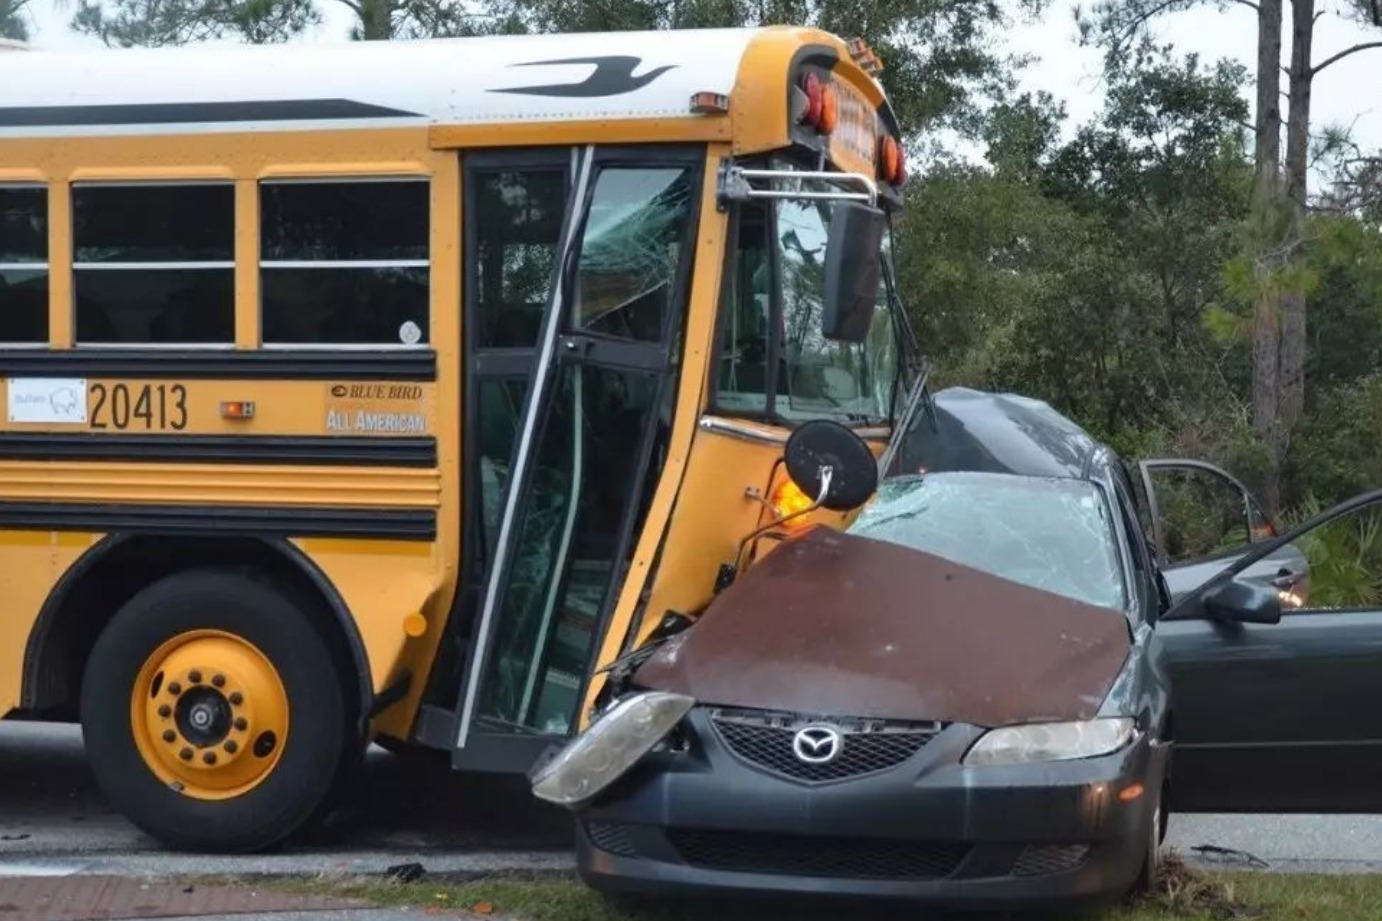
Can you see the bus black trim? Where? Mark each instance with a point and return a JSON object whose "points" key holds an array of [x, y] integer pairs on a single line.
{"points": [[221, 521], [326, 450], [173, 113], [258, 364]]}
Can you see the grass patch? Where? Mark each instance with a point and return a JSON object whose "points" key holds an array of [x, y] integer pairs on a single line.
{"points": [[1186, 894]]}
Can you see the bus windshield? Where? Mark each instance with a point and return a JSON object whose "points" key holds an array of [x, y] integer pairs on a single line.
{"points": [[815, 377]]}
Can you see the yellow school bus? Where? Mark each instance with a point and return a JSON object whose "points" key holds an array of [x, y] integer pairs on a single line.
{"points": [[392, 391]]}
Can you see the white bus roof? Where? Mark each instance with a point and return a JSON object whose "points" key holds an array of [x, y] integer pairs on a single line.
{"points": [[578, 77]]}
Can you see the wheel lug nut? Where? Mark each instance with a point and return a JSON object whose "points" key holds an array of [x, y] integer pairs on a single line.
{"points": [[169, 735], [175, 689], [236, 699], [195, 677], [165, 711], [231, 747], [241, 724], [209, 757], [218, 680], [185, 754]]}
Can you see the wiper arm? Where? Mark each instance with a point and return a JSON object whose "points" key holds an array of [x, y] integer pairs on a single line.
{"points": [[904, 422]]}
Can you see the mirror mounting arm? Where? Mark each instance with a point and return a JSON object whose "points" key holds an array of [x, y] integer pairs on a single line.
{"points": [[827, 473], [735, 184]]}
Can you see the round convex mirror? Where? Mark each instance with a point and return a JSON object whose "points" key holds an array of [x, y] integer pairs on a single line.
{"points": [[821, 444]]}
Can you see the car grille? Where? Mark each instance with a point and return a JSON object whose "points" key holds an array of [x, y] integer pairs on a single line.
{"points": [[612, 838], [764, 739], [803, 855], [1039, 860]]}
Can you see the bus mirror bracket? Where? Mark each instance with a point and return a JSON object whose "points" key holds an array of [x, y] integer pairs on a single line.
{"points": [[829, 461], [737, 184]]}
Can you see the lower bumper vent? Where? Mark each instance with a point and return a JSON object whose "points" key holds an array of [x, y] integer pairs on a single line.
{"points": [[804, 855]]}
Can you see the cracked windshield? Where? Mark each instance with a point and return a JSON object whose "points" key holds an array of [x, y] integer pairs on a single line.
{"points": [[814, 376], [1050, 534]]}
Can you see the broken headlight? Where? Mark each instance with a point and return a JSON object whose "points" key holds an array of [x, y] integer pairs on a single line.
{"points": [[614, 742], [1051, 741]]}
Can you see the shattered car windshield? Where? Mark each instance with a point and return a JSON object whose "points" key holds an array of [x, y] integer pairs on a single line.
{"points": [[1047, 533]]}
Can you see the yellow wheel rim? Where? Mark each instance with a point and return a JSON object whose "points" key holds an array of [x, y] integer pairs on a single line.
{"points": [[209, 714]]}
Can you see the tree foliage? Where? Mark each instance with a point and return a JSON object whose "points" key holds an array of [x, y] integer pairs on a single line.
{"points": [[13, 22]]}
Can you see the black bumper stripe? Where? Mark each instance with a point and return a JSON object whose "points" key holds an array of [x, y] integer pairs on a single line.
{"points": [[307, 364], [240, 521], [326, 450]]}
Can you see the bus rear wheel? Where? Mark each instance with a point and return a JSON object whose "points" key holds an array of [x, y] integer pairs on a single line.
{"points": [[213, 713]]}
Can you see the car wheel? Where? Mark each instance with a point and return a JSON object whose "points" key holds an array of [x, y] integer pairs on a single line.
{"points": [[213, 713]]}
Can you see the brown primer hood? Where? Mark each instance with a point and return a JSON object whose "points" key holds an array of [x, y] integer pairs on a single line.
{"points": [[837, 624]]}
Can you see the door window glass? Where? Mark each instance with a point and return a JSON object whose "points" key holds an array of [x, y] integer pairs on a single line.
{"points": [[568, 535], [517, 220], [634, 241], [1202, 513], [500, 414]]}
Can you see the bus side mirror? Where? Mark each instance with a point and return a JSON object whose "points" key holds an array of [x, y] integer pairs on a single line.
{"points": [[852, 270], [826, 461], [832, 464]]}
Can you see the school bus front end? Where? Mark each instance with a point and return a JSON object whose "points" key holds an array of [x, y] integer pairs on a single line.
{"points": [[399, 405]]}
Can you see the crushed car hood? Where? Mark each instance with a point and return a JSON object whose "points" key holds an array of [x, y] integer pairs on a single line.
{"points": [[837, 624]]}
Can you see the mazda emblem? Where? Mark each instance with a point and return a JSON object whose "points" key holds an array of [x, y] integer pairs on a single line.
{"points": [[817, 744]]}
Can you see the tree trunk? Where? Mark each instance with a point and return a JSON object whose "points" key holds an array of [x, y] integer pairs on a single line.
{"points": [[1293, 303], [1266, 196], [376, 20]]}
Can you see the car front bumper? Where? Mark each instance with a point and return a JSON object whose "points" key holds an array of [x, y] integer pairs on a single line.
{"points": [[928, 828]]}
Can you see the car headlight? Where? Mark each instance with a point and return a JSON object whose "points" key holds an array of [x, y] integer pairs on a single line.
{"points": [[614, 742], [1051, 741]]}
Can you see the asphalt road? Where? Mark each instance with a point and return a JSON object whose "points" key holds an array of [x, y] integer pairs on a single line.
{"points": [[54, 820]]}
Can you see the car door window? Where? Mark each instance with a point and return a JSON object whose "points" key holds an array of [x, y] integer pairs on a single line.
{"points": [[1199, 512]]}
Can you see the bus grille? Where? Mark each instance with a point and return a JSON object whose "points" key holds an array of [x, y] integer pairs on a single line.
{"points": [[869, 746]]}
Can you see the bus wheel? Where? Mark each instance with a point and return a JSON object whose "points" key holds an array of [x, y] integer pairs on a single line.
{"points": [[213, 714]]}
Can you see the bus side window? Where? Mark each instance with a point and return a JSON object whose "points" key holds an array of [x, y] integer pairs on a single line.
{"points": [[742, 383], [154, 263], [23, 264], [345, 262]]}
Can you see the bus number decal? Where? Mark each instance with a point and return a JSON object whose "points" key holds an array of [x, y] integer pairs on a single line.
{"points": [[146, 406]]}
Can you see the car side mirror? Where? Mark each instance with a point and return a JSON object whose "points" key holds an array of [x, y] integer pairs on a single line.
{"points": [[1243, 602], [853, 269]]}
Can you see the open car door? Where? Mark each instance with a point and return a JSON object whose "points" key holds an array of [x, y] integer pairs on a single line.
{"points": [[1203, 520], [1271, 702]]}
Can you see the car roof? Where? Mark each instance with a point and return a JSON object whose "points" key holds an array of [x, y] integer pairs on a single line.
{"points": [[981, 431]]}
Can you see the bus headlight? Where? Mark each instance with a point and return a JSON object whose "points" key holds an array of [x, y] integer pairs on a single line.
{"points": [[1051, 741], [603, 753]]}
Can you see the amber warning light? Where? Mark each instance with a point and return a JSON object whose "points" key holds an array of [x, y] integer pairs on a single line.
{"points": [[710, 103], [237, 409], [787, 500]]}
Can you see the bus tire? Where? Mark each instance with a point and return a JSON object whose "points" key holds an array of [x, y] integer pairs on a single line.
{"points": [[213, 713]]}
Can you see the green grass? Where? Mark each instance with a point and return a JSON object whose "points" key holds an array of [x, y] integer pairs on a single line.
{"points": [[1186, 895]]}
